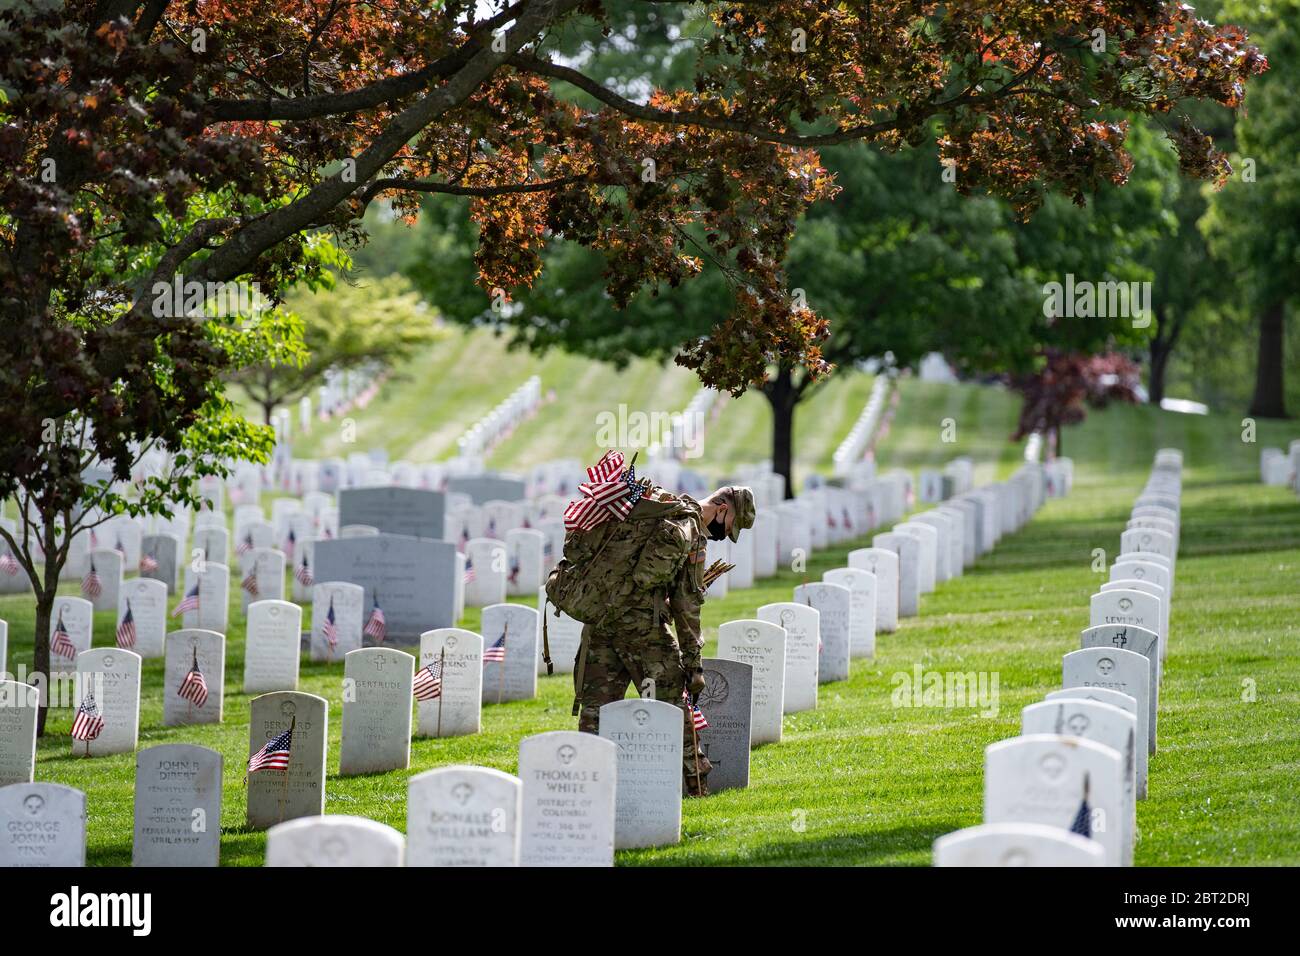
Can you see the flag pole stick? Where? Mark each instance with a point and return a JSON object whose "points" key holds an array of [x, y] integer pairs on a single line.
{"points": [[442, 676], [501, 664], [695, 737]]}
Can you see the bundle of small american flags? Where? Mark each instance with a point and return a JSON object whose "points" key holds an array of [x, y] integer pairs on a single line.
{"points": [[275, 755], [497, 652], [303, 574], [61, 642], [189, 603], [126, 629], [428, 682], [697, 715], [89, 723], [194, 687], [609, 492], [377, 627], [91, 586]]}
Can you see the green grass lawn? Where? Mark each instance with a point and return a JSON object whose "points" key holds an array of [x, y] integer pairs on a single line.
{"points": [[858, 781]]}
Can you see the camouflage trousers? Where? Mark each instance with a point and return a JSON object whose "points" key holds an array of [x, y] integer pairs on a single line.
{"points": [[623, 655]]}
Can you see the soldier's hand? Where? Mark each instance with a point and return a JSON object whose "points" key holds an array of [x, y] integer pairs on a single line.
{"points": [[695, 680]]}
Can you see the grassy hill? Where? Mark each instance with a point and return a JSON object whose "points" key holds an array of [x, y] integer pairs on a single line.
{"points": [[858, 781]]}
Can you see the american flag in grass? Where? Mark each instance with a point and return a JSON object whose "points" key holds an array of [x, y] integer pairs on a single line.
{"points": [[91, 586], [428, 682], [274, 756], [330, 629], [194, 687], [377, 626], [188, 603], [89, 722], [497, 652], [303, 574], [61, 641], [697, 715], [126, 629]]}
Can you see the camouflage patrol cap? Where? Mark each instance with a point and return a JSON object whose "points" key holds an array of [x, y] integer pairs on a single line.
{"points": [[742, 504]]}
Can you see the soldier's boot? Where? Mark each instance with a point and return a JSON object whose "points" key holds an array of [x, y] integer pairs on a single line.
{"points": [[697, 785]]}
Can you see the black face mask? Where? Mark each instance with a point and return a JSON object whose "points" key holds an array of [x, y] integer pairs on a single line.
{"points": [[717, 529]]}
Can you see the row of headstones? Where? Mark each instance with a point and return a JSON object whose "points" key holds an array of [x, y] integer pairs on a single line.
{"points": [[497, 424], [1065, 792], [1281, 468], [271, 663], [577, 798], [858, 441]]}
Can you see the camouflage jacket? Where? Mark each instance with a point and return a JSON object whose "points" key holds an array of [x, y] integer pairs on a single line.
{"points": [[656, 554]]}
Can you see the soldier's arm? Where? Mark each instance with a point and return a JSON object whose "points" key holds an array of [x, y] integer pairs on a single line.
{"points": [[685, 599]]}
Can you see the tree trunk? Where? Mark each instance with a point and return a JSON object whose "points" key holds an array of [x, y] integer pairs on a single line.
{"points": [[783, 396], [1160, 352], [268, 409], [41, 659], [1270, 394]]}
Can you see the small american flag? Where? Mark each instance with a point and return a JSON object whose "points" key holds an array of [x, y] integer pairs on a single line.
{"points": [[464, 537], [697, 715], [189, 603], [377, 627], [94, 539], [126, 629], [91, 586], [61, 644], [1082, 824], [330, 628], [848, 522], [275, 755], [194, 687], [428, 682], [148, 563], [89, 723], [497, 652], [491, 528], [8, 564], [246, 545], [329, 532], [514, 571], [119, 547], [303, 574], [249, 583], [469, 571], [289, 543], [830, 520]]}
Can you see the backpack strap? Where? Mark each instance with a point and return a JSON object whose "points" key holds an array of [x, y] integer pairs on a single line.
{"points": [[546, 640]]}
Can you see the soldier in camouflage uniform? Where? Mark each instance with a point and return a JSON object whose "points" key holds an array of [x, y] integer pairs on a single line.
{"points": [[653, 563]]}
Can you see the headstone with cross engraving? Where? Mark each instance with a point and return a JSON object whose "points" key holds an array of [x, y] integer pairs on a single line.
{"points": [[376, 711]]}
